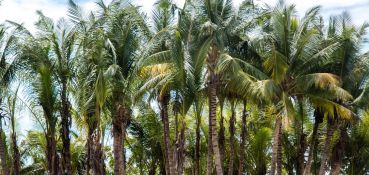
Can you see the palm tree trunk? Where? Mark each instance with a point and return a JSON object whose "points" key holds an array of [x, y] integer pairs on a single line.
{"points": [[16, 155], [209, 161], [96, 154], [52, 157], [153, 167], [301, 143], [314, 141], [277, 147], [168, 149], [221, 130], [212, 87], [231, 141], [181, 148], [118, 133], [338, 152], [327, 147], [89, 144], [65, 123], [197, 145], [3, 156], [243, 140], [177, 140]]}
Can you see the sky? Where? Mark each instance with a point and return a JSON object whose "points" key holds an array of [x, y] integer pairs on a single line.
{"points": [[24, 11]]}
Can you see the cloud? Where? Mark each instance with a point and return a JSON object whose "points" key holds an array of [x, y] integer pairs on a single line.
{"points": [[24, 11]]}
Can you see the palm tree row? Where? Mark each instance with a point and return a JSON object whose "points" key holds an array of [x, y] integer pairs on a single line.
{"points": [[205, 88]]}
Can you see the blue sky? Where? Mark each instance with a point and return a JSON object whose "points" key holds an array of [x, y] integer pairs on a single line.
{"points": [[23, 11]]}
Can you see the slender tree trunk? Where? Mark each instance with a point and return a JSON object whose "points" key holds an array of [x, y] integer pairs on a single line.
{"points": [[338, 152], [118, 136], [209, 161], [181, 148], [314, 141], [279, 150], [52, 157], [152, 170], [231, 141], [327, 146], [277, 147], [243, 140], [96, 158], [168, 149], [16, 155], [65, 123], [89, 144], [212, 87], [177, 140], [221, 130], [301, 143], [3, 155], [197, 145]]}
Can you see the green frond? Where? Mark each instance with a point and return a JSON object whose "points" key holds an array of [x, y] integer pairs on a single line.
{"points": [[276, 64]]}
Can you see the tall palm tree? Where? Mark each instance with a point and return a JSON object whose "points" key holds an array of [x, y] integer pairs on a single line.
{"points": [[44, 91], [125, 28], [8, 67], [62, 39], [349, 64], [11, 110], [214, 17], [283, 53]]}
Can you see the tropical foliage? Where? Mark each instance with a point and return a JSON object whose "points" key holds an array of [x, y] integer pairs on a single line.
{"points": [[207, 88]]}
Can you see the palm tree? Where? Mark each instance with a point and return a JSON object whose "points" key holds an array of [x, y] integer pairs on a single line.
{"points": [[283, 54], [349, 64], [62, 40], [125, 28], [8, 67], [214, 18], [44, 92], [11, 109]]}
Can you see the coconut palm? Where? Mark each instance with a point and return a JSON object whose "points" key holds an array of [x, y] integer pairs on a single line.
{"points": [[283, 53], [349, 64]]}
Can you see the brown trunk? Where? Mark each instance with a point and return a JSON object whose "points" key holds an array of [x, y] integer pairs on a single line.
{"points": [[3, 156], [212, 87], [197, 145], [65, 123], [314, 141], [168, 149], [16, 155], [52, 157], [89, 144], [300, 141], [327, 147], [177, 140], [231, 140], [209, 161], [96, 159], [221, 130], [152, 170], [338, 152], [181, 145], [276, 148], [119, 125], [279, 150], [243, 140]]}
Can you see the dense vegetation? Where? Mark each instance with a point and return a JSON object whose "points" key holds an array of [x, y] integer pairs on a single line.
{"points": [[201, 89]]}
